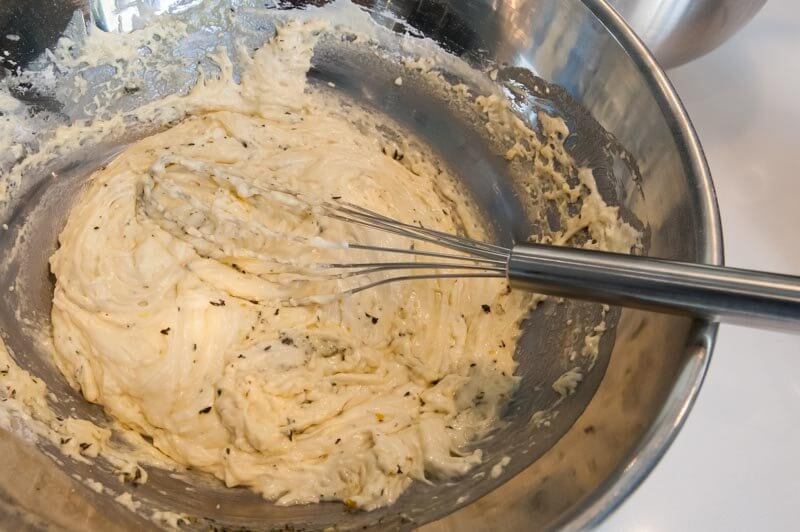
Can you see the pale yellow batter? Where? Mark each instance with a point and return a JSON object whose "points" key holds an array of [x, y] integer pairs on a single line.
{"points": [[170, 303]]}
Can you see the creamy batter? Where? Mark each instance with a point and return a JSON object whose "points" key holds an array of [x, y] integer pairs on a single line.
{"points": [[170, 307]]}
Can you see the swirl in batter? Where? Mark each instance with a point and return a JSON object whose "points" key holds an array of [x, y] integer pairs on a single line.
{"points": [[169, 307]]}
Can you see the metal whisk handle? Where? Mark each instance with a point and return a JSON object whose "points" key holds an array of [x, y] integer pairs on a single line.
{"points": [[745, 297]]}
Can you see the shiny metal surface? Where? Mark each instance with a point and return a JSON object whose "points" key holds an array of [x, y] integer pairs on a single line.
{"points": [[677, 31], [576, 59], [744, 297]]}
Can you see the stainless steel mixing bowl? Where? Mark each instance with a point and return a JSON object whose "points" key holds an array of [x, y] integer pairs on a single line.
{"points": [[677, 31], [574, 58]]}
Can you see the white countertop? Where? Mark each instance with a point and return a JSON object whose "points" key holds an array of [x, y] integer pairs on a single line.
{"points": [[736, 463]]}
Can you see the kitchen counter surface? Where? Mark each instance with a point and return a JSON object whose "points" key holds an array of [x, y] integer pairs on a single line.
{"points": [[735, 464]]}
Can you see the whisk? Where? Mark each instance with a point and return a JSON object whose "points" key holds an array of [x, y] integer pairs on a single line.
{"points": [[715, 293], [711, 292]]}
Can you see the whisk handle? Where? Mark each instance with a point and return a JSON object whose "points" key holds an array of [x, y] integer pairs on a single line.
{"points": [[745, 297]]}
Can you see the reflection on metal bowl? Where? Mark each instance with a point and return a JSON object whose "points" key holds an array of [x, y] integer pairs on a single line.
{"points": [[576, 59]]}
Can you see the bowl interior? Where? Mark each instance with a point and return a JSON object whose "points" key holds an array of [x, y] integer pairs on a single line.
{"points": [[645, 350]]}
